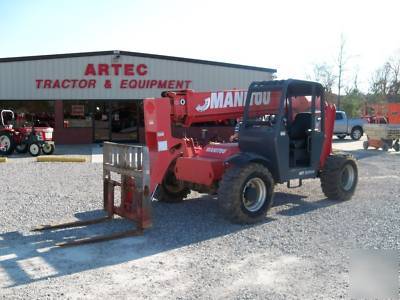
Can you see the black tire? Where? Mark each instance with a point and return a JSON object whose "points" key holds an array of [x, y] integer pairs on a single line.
{"points": [[385, 147], [396, 147], [365, 145], [339, 177], [34, 149], [172, 190], [6, 140], [341, 136], [236, 183], [48, 149], [356, 133], [21, 148]]}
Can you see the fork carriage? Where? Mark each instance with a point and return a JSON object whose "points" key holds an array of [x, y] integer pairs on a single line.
{"points": [[125, 166]]}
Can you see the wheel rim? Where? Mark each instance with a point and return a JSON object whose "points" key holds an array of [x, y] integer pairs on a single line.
{"points": [[254, 194], [34, 149], [348, 177], [46, 148], [5, 143], [357, 133]]}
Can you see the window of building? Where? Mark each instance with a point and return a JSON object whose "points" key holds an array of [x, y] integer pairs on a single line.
{"points": [[38, 113], [77, 114]]}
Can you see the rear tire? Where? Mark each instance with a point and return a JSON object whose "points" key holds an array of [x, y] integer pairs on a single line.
{"points": [[339, 177], [7, 144], [34, 149], [246, 193], [356, 133], [21, 148], [365, 145], [341, 136]]}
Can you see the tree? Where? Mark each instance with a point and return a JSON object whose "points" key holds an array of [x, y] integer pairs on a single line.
{"points": [[340, 66], [380, 81], [353, 101], [385, 82], [342, 61], [323, 73], [394, 88]]}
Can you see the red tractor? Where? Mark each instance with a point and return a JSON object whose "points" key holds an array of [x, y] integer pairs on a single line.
{"points": [[24, 139], [285, 136]]}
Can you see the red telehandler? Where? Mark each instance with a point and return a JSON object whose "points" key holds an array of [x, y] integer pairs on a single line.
{"points": [[285, 136]]}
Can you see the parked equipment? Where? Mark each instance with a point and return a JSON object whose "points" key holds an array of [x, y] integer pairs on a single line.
{"points": [[384, 136], [384, 128], [382, 113], [24, 139], [285, 136]]}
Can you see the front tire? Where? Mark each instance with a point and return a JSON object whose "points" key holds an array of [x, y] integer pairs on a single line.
{"points": [[339, 177], [356, 133], [7, 144], [34, 149], [48, 149], [246, 193], [172, 190]]}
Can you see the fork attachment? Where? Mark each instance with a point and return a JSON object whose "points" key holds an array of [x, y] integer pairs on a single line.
{"points": [[131, 164]]}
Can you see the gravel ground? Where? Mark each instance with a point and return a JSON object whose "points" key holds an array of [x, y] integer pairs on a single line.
{"points": [[300, 251]]}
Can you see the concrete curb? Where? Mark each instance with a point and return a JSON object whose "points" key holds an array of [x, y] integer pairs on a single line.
{"points": [[60, 159], [3, 159]]}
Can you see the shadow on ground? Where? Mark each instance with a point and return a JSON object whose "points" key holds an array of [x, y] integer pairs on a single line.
{"points": [[362, 154], [26, 257], [299, 204]]}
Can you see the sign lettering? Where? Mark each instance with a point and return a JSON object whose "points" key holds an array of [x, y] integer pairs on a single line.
{"points": [[129, 76]]}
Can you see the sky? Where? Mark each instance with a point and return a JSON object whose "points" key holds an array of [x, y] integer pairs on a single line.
{"points": [[290, 36]]}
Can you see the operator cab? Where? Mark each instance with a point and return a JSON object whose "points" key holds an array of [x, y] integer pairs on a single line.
{"points": [[284, 125]]}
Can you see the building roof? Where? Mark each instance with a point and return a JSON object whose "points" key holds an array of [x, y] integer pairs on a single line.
{"points": [[137, 54]]}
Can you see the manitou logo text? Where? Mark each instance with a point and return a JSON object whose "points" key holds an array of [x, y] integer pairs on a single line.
{"points": [[233, 99]]}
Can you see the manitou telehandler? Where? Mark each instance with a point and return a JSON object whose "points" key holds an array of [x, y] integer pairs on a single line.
{"points": [[285, 136]]}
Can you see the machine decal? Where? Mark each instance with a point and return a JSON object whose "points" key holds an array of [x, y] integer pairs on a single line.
{"points": [[216, 150], [204, 106], [233, 99]]}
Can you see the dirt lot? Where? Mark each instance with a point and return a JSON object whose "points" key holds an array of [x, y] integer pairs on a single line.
{"points": [[300, 251]]}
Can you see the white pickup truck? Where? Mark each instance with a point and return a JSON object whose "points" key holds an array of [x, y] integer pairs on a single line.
{"points": [[345, 126]]}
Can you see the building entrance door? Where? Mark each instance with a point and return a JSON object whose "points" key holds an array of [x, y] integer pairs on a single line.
{"points": [[116, 121], [124, 121], [101, 120]]}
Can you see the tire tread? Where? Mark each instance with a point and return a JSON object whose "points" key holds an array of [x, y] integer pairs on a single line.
{"points": [[330, 177], [230, 187]]}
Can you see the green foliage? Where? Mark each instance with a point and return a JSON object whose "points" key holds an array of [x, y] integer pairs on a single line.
{"points": [[353, 103]]}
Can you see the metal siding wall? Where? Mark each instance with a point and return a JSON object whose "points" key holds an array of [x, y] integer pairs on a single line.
{"points": [[17, 79]]}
